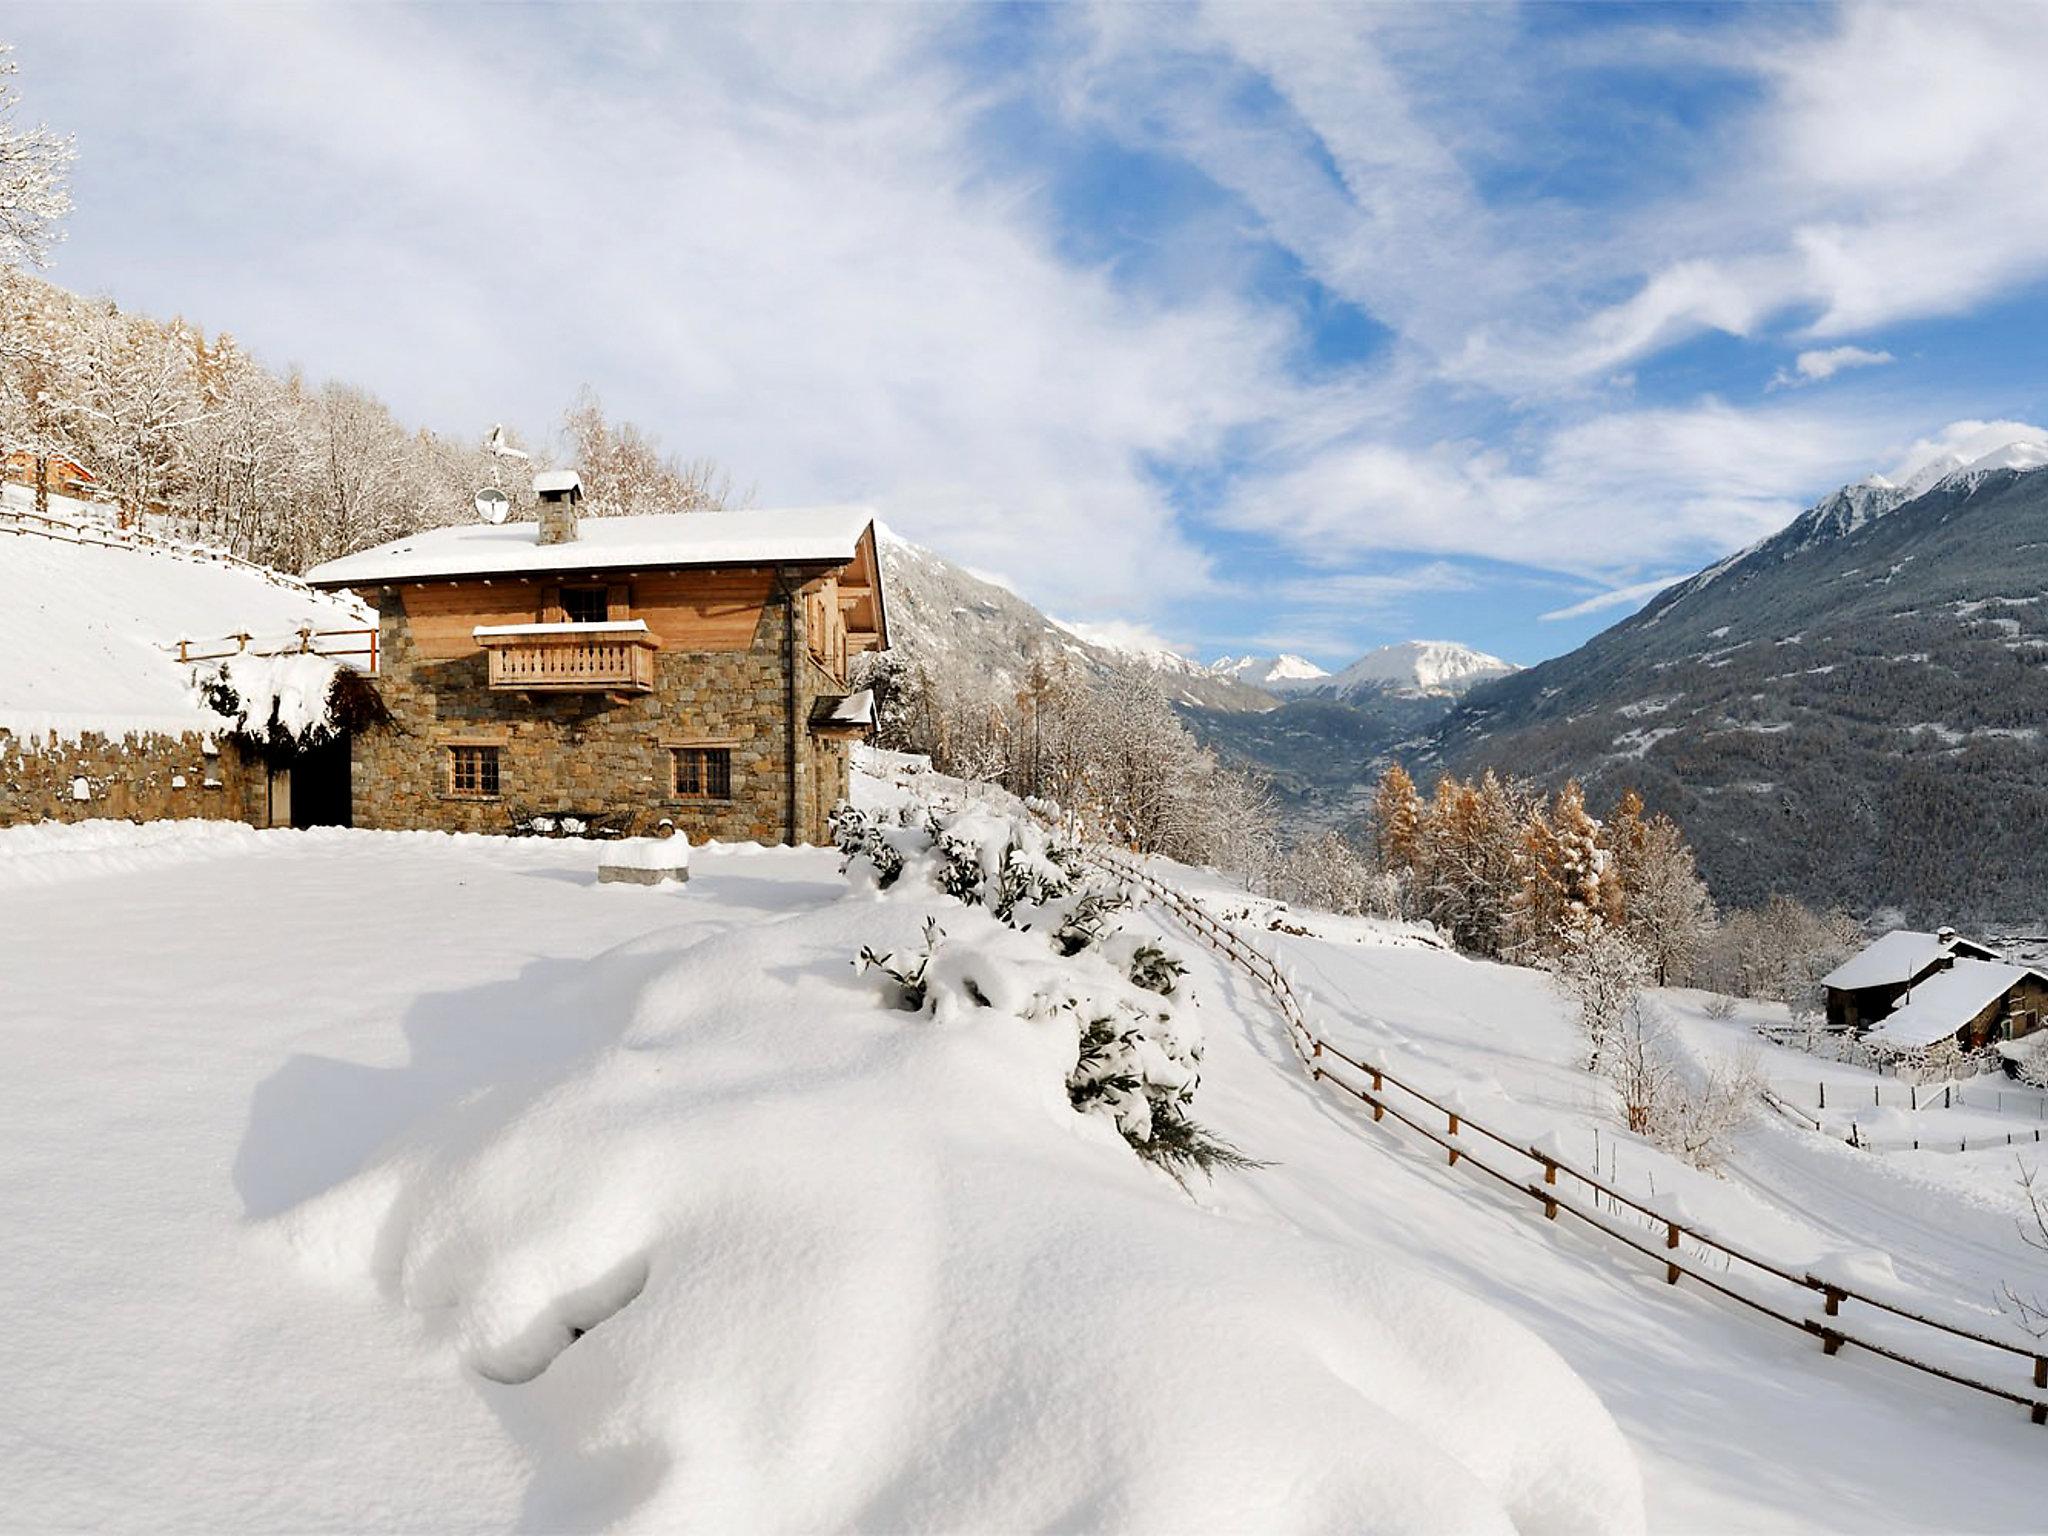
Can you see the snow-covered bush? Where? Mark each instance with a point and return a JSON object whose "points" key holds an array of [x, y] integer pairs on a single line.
{"points": [[861, 839], [1691, 1120], [1048, 946], [1602, 970], [290, 703], [2030, 1060]]}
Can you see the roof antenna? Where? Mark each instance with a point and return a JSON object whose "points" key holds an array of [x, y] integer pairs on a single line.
{"points": [[493, 506]]}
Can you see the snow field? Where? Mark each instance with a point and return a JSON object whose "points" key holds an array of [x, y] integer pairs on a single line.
{"points": [[765, 1251], [663, 1154], [1736, 1421]]}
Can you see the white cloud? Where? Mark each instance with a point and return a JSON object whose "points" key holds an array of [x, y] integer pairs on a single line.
{"points": [[1604, 497], [1126, 638], [1813, 366], [777, 244], [1631, 596]]}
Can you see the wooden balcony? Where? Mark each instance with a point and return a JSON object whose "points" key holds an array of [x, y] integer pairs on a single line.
{"points": [[616, 657]]}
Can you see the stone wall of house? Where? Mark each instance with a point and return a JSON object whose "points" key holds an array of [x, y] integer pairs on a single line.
{"points": [[593, 752], [137, 777]]}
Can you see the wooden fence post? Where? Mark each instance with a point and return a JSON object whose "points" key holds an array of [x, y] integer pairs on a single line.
{"points": [[1670, 1241], [1454, 1150]]}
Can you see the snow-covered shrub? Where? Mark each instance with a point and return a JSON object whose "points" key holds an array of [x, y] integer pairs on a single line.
{"points": [[1602, 970], [1691, 1120], [908, 975], [1152, 968], [860, 838], [2030, 1060], [288, 704], [1051, 948]]}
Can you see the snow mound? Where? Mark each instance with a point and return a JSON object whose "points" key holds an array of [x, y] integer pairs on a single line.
{"points": [[781, 1255], [89, 632]]}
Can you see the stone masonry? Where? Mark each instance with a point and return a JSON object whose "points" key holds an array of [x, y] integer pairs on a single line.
{"points": [[596, 752], [135, 778]]}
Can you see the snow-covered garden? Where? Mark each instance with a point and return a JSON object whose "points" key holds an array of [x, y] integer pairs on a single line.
{"points": [[414, 1181]]}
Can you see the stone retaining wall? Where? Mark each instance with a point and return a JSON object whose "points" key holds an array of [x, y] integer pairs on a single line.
{"points": [[137, 777]]}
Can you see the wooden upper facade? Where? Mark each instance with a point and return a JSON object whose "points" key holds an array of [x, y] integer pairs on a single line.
{"points": [[603, 604]]}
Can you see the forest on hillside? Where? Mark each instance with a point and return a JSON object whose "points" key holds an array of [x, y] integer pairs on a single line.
{"points": [[194, 431]]}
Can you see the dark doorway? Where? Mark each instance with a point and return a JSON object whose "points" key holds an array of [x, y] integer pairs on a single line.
{"points": [[320, 792]]}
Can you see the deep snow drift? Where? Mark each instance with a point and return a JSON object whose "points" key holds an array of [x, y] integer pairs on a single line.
{"points": [[421, 1182]]}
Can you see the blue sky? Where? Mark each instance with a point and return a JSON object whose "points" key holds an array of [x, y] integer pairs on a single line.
{"points": [[1249, 328]]}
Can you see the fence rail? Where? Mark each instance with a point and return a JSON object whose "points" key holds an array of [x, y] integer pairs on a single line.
{"points": [[1458, 1135], [341, 644], [71, 530]]}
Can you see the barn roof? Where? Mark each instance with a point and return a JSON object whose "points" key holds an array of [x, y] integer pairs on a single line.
{"points": [[1942, 1004], [798, 536], [1896, 958]]}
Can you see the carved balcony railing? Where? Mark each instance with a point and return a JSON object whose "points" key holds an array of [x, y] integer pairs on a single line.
{"points": [[615, 657]]}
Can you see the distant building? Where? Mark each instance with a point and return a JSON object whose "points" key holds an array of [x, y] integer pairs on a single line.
{"points": [[1865, 988], [1909, 991], [1975, 1003], [50, 473], [690, 668]]}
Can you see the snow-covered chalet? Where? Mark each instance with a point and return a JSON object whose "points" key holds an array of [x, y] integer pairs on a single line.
{"points": [[690, 668], [1909, 992]]}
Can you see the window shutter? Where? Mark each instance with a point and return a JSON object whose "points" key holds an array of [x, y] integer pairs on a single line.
{"points": [[618, 602], [551, 605]]}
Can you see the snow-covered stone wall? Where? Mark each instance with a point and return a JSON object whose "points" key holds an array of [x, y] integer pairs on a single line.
{"points": [[140, 776]]}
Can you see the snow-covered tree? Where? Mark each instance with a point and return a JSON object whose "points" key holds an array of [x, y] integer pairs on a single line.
{"points": [[34, 166], [625, 472], [1666, 906], [1602, 971]]}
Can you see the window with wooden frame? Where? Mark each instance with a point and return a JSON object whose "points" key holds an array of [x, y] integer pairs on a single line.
{"points": [[701, 773], [473, 772], [586, 605]]}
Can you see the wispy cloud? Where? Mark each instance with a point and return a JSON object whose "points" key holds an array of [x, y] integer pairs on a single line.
{"points": [[844, 251], [1631, 596], [1813, 366]]}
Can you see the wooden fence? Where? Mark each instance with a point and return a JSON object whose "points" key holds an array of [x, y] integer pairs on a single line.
{"points": [[1535, 1174]]}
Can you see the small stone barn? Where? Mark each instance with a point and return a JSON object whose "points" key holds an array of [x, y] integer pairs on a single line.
{"points": [[1975, 1003], [1865, 988], [689, 667]]}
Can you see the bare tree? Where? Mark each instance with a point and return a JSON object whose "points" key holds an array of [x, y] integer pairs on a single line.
{"points": [[1602, 970], [34, 165], [2030, 1310], [625, 472], [1691, 1120]]}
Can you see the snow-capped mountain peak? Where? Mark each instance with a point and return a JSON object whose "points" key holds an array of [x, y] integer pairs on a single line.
{"points": [[1418, 668], [1284, 673]]}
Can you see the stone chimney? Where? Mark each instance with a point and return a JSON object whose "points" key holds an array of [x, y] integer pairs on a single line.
{"points": [[559, 490], [1946, 937]]}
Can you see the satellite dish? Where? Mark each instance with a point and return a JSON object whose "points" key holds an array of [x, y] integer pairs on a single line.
{"points": [[493, 507]]}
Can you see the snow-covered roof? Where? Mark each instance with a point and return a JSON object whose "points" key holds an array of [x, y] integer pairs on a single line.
{"points": [[556, 481], [805, 535], [1894, 959], [851, 710], [1942, 1004]]}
